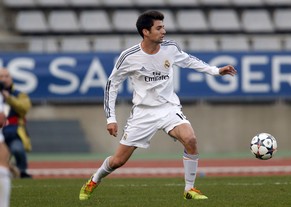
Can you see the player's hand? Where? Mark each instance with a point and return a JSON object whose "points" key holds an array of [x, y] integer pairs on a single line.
{"points": [[112, 128], [227, 70]]}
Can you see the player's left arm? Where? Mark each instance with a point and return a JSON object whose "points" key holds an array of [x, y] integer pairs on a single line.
{"points": [[227, 70], [186, 60]]}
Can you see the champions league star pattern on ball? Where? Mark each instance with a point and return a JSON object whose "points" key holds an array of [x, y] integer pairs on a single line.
{"points": [[263, 146]]}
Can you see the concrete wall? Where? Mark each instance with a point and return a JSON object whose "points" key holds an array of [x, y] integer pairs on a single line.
{"points": [[219, 128]]}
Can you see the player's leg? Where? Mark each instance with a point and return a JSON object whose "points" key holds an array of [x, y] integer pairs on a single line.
{"points": [[110, 164], [5, 182], [140, 128], [185, 134]]}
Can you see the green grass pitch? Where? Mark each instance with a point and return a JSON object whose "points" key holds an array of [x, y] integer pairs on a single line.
{"points": [[260, 191]]}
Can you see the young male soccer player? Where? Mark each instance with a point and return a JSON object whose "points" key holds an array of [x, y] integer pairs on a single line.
{"points": [[149, 66]]}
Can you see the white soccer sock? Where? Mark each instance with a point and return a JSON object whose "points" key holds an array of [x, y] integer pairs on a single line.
{"points": [[5, 185], [103, 171], [190, 167]]}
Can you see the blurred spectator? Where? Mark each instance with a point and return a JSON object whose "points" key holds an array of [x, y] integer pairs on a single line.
{"points": [[15, 132]]}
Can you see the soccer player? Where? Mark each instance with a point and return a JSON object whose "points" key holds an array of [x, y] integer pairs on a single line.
{"points": [[5, 182], [149, 66]]}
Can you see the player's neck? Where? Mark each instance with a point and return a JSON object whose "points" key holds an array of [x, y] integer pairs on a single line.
{"points": [[150, 47]]}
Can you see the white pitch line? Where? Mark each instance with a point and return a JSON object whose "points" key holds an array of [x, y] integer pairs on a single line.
{"points": [[162, 171]]}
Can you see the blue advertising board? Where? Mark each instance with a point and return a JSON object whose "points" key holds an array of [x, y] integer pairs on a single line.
{"points": [[71, 77]]}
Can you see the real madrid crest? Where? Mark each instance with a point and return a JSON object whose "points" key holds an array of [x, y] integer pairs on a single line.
{"points": [[167, 64], [124, 137]]}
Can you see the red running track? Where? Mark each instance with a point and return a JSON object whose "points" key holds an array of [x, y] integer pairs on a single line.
{"points": [[163, 168]]}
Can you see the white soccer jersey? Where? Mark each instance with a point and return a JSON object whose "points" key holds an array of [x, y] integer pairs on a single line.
{"points": [[151, 75]]}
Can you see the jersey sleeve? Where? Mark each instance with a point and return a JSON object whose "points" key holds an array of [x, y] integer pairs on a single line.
{"points": [[118, 75], [185, 60]]}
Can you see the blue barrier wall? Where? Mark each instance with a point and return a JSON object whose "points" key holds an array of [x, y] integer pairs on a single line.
{"points": [[69, 77]]}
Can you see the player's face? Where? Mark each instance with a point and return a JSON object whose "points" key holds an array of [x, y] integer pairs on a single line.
{"points": [[157, 32]]}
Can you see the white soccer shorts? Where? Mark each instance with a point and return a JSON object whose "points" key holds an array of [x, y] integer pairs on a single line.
{"points": [[145, 121]]}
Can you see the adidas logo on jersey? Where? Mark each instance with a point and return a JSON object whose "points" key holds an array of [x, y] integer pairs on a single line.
{"points": [[143, 69]]}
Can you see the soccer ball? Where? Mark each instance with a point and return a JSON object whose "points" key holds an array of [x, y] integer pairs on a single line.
{"points": [[263, 146]]}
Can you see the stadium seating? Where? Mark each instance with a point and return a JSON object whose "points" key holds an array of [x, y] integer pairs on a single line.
{"points": [[224, 20], [234, 43], [282, 19], [266, 43], [35, 44], [124, 20], [191, 20], [183, 2], [85, 3], [107, 43], [75, 44], [215, 2], [150, 3], [186, 19], [20, 4], [287, 44], [52, 3], [202, 43], [257, 21], [248, 2], [32, 21], [118, 3], [95, 21], [278, 2], [63, 21], [51, 45]]}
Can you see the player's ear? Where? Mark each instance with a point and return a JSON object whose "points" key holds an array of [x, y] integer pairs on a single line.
{"points": [[145, 32]]}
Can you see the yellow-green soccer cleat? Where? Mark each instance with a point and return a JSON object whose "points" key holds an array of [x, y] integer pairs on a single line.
{"points": [[193, 193], [87, 190]]}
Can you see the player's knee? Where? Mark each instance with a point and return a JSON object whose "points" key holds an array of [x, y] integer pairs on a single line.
{"points": [[191, 141], [191, 145]]}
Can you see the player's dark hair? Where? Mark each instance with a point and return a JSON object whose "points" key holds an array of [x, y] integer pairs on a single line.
{"points": [[146, 20]]}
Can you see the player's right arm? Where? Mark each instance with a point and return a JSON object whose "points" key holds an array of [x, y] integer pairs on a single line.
{"points": [[118, 75]]}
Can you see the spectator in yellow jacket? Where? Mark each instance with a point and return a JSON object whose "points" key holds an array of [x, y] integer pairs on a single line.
{"points": [[15, 132]]}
